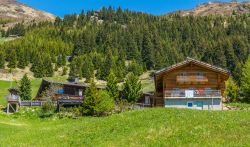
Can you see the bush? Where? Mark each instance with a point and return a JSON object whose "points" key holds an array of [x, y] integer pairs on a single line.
{"points": [[70, 112], [105, 105], [232, 90], [122, 105], [47, 109], [28, 112], [239, 105], [97, 103]]}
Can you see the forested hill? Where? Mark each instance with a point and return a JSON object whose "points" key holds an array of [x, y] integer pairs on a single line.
{"points": [[124, 41], [216, 8]]}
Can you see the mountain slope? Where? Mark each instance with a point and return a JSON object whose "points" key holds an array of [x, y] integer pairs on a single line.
{"points": [[216, 8], [13, 12]]}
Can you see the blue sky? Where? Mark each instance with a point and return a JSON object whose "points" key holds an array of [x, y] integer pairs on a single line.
{"points": [[156, 7]]}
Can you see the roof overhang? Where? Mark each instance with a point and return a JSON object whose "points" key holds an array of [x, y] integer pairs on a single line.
{"points": [[195, 62]]}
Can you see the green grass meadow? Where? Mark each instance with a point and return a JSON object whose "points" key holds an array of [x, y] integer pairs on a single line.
{"points": [[149, 127]]}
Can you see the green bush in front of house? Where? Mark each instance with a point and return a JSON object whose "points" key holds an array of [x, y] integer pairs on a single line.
{"points": [[97, 102]]}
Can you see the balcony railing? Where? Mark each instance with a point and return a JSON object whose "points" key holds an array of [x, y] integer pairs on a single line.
{"points": [[13, 98], [192, 94]]}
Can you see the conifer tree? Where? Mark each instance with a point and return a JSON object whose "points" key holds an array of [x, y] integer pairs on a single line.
{"points": [[232, 90], [48, 67], [147, 48], [97, 102], [38, 68], [87, 68], [112, 86], [2, 59], [59, 60], [12, 59], [21, 60], [245, 85], [65, 70], [132, 88], [25, 88]]}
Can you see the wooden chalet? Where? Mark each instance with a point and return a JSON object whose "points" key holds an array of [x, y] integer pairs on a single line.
{"points": [[63, 93], [73, 93], [190, 84]]}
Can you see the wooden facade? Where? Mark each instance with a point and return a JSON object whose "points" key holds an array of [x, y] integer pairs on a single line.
{"points": [[63, 90], [204, 79]]}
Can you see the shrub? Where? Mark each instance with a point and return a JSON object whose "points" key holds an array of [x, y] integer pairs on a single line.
{"points": [[97, 103], [232, 90], [105, 105], [47, 109], [122, 105], [132, 88], [70, 112]]}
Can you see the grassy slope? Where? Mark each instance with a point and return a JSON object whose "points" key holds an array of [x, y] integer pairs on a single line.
{"points": [[2, 40], [5, 85], [151, 127]]}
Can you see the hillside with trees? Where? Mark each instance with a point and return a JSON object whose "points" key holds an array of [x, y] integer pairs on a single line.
{"points": [[124, 41]]}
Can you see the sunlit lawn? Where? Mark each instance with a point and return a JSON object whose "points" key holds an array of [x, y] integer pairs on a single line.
{"points": [[150, 127]]}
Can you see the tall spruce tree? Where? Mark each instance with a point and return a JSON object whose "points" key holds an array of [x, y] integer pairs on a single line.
{"points": [[147, 48], [25, 88], [112, 86], [245, 85], [21, 59], [38, 67], [2, 59], [87, 68], [232, 90], [12, 59], [132, 88], [48, 67]]}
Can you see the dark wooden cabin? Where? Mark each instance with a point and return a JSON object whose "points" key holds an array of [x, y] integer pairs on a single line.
{"points": [[63, 90], [190, 83]]}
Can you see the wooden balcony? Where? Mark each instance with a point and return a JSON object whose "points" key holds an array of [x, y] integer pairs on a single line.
{"points": [[191, 79], [192, 94], [13, 98]]}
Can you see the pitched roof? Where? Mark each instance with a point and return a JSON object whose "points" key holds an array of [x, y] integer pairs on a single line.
{"points": [[189, 60]]}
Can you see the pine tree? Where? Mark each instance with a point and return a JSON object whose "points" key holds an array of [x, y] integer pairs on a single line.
{"points": [[97, 102], [65, 70], [12, 59], [38, 68], [147, 48], [64, 59], [59, 61], [232, 90], [112, 86], [48, 66], [2, 59], [21, 60], [245, 85], [132, 88], [87, 68], [25, 88]]}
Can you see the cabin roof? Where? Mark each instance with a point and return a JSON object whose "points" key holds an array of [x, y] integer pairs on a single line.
{"points": [[71, 84], [197, 62]]}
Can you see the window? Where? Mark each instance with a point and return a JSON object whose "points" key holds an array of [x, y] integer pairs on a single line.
{"points": [[60, 91], [80, 92], [200, 76], [147, 100], [183, 77], [190, 104]]}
